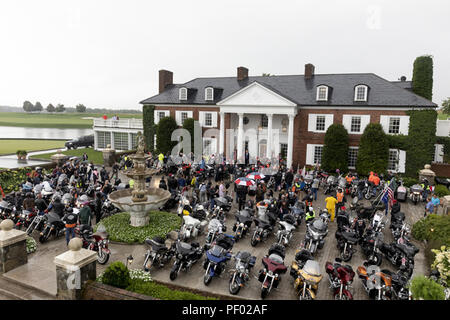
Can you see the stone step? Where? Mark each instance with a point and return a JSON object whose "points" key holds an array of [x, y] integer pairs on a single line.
{"points": [[19, 291]]}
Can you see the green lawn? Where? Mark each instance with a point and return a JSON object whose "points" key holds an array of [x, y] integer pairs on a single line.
{"points": [[11, 146], [94, 156], [54, 120], [443, 116]]}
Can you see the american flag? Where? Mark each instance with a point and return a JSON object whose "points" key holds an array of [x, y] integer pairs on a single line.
{"points": [[389, 192]]}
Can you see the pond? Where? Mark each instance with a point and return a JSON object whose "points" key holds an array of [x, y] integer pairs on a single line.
{"points": [[42, 133]]}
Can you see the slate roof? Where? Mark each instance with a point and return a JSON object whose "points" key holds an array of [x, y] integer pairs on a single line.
{"points": [[300, 90]]}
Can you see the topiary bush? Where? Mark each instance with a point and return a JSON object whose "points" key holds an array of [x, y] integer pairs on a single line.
{"points": [[408, 182], [422, 79], [441, 191], [335, 149], [164, 130], [117, 275], [373, 150], [426, 289], [148, 114]]}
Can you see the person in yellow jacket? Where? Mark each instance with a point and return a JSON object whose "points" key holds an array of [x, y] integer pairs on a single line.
{"points": [[331, 206], [131, 183]]}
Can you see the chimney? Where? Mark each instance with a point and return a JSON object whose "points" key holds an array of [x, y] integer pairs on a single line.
{"points": [[242, 73], [309, 71], [402, 78], [165, 78]]}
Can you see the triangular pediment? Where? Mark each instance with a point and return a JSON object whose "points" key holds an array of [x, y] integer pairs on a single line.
{"points": [[256, 94]]}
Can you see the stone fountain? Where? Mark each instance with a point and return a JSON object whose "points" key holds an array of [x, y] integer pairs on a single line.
{"points": [[138, 201]]}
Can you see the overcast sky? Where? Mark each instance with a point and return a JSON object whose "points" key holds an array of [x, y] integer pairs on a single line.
{"points": [[107, 53]]}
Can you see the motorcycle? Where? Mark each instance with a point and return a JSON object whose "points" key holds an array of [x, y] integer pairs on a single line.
{"points": [[316, 232], [346, 241], [376, 283], [285, 229], [274, 267], [415, 193], [215, 228], [341, 279], [298, 211], [52, 226], [185, 256], [24, 219], [400, 255], [108, 209], [217, 257], [307, 279], [398, 227], [97, 242], [377, 222], [5, 209], [36, 224], [264, 228], [161, 251], [192, 226], [244, 220], [370, 243], [244, 262], [365, 211]]}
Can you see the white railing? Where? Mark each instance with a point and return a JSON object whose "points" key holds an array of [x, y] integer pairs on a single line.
{"points": [[122, 123]]}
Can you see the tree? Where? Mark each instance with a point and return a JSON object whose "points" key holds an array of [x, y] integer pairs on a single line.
{"points": [[80, 108], [38, 107], [148, 122], [422, 80], [446, 106], [164, 130], [189, 126], [50, 108], [28, 106], [335, 149], [373, 150], [426, 289], [60, 108], [267, 74]]}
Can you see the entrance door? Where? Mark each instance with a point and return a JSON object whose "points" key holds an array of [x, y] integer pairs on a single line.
{"points": [[262, 148]]}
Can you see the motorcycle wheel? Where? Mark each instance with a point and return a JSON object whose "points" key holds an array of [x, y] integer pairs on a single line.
{"points": [[173, 273], [368, 195], [343, 297], [207, 278], [254, 242], [234, 287], [42, 238], [264, 293], [306, 297], [102, 257], [376, 260], [346, 256]]}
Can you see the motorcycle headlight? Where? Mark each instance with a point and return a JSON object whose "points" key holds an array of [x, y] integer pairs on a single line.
{"points": [[180, 256], [242, 224]]}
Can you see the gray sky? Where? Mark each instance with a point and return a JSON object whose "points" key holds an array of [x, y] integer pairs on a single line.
{"points": [[107, 53]]}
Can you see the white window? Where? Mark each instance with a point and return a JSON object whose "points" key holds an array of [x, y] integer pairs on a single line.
{"points": [[180, 116], [396, 160], [314, 154], [361, 93], [438, 153], [319, 122], [322, 93], [103, 139], [318, 154], [183, 94], [208, 119], [120, 141], [352, 157], [395, 124], [159, 114], [209, 94], [355, 124]]}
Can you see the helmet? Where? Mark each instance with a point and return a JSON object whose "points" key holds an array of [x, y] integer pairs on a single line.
{"points": [[310, 209], [83, 198]]}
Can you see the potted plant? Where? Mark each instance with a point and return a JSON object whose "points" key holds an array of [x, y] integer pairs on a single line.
{"points": [[21, 154]]}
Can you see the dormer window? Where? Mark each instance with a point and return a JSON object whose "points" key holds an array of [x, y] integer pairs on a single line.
{"points": [[322, 93], [183, 94], [209, 94], [361, 93]]}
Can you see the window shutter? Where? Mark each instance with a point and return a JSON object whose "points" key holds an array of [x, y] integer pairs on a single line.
{"points": [[404, 125], [201, 118], [347, 122], [328, 121], [365, 120], [214, 119], [189, 114], [178, 117], [311, 122], [384, 121], [155, 117], [401, 161], [310, 154]]}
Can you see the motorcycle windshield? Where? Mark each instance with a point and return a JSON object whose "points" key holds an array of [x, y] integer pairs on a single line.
{"points": [[318, 226], [312, 267], [214, 224]]}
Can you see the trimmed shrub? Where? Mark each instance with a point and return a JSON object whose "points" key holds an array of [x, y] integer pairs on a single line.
{"points": [[335, 149], [188, 124], [408, 182], [422, 79], [117, 275], [165, 128], [441, 191], [433, 227], [148, 122], [426, 289], [373, 150]]}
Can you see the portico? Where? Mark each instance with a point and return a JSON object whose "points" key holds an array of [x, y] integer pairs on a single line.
{"points": [[265, 129]]}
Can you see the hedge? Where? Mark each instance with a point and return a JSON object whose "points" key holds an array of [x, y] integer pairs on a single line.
{"points": [[189, 124], [148, 122], [164, 130], [441, 191], [433, 228], [426, 289], [422, 79], [373, 150], [335, 149]]}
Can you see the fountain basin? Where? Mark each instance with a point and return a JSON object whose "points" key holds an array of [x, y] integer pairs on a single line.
{"points": [[139, 217]]}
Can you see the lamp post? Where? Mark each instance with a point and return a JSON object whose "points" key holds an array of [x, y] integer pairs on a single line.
{"points": [[129, 260]]}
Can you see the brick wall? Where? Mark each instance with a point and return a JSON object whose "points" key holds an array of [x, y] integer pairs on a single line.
{"points": [[304, 137]]}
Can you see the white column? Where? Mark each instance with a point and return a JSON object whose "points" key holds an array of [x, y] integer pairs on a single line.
{"points": [[290, 141], [269, 136], [222, 134], [240, 137]]}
